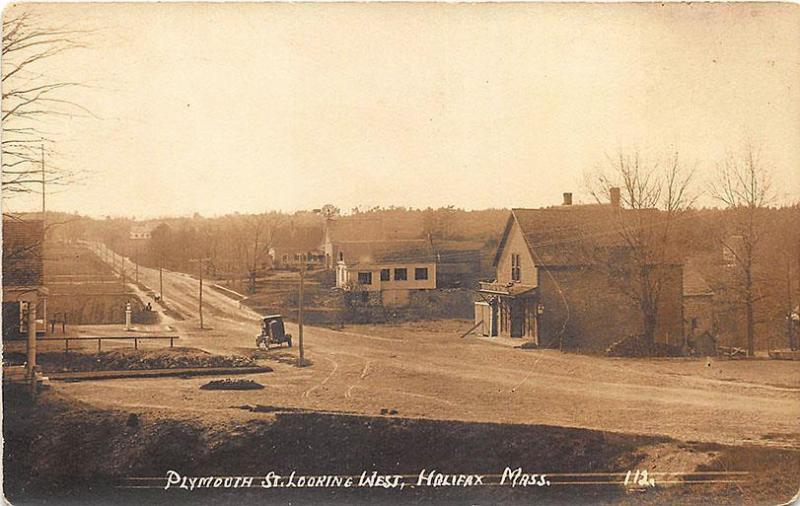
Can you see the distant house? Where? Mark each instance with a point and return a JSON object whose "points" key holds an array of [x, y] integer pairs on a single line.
{"points": [[550, 289], [23, 273], [141, 231], [390, 269], [293, 242]]}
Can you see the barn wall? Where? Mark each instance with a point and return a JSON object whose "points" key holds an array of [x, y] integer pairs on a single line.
{"points": [[595, 312], [701, 309]]}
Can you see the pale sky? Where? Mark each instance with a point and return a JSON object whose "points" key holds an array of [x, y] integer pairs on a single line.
{"points": [[240, 107]]}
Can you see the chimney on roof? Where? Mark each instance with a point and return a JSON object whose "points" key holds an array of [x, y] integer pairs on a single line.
{"points": [[567, 199], [614, 196]]}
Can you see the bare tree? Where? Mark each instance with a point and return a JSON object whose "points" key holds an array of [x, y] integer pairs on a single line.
{"points": [[743, 184], [652, 197], [30, 96], [259, 234]]}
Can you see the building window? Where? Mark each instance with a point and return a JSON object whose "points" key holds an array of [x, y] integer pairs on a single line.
{"points": [[401, 274], [516, 270], [364, 278], [420, 273], [384, 274], [364, 297], [341, 256]]}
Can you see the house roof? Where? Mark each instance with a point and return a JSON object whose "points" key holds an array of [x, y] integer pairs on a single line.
{"points": [[561, 235], [457, 245], [694, 284], [458, 252], [383, 252], [22, 252], [301, 238], [143, 227]]}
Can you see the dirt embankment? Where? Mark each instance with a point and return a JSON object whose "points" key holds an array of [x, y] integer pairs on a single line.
{"points": [[128, 359], [63, 451]]}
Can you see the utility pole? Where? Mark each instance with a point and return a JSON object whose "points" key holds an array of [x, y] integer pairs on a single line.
{"points": [[161, 279], [790, 308], [302, 361], [44, 183], [201, 264], [32, 346], [44, 236]]}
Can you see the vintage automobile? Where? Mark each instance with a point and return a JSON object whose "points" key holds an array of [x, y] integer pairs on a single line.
{"points": [[273, 332]]}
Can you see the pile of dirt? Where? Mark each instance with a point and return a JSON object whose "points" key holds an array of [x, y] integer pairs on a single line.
{"points": [[232, 384], [131, 359], [638, 346]]}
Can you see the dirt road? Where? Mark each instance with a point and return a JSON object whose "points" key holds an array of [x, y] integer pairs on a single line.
{"points": [[437, 375]]}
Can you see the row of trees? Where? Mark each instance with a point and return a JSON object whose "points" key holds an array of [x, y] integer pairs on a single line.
{"points": [[237, 245]]}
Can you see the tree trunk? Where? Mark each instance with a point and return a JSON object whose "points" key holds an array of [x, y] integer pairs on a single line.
{"points": [[649, 330], [647, 307], [749, 310], [252, 287], [750, 329]]}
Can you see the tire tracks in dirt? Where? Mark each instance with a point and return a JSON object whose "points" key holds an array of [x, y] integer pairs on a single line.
{"points": [[349, 392], [327, 378]]}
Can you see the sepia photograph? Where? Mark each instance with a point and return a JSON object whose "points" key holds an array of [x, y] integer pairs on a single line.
{"points": [[400, 253]]}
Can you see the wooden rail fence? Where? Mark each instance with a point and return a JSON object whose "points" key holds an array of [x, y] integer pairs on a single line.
{"points": [[100, 339]]}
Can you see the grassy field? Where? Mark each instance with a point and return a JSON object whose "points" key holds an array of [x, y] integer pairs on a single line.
{"points": [[84, 288]]}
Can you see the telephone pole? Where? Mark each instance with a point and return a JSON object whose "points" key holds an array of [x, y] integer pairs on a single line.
{"points": [[302, 361], [136, 251], [790, 308], [201, 263], [161, 279], [44, 183], [44, 236]]}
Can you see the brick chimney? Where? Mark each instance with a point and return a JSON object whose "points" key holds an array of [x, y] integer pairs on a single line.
{"points": [[614, 195], [567, 199]]}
